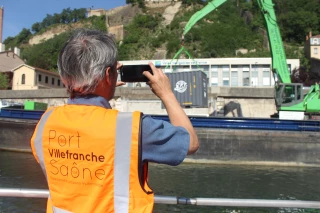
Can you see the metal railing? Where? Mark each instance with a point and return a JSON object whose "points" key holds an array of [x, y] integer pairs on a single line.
{"points": [[250, 123], [203, 122], [42, 193]]}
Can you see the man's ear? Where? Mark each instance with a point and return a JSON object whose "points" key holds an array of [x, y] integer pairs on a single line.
{"points": [[108, 75]]}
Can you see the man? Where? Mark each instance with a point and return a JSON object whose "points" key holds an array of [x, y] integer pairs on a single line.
{"points": [[95, 158]]}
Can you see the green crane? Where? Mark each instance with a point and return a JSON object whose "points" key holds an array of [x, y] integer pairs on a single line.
{"points": [[290, 100]]}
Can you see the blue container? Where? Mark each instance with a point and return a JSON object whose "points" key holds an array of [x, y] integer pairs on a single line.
{"points": [[8, 112]]}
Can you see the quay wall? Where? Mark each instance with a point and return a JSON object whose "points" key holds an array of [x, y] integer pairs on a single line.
{"points": [[222, 101], [219, 146]]}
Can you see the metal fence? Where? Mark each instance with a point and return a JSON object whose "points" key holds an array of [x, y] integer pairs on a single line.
{"points": [[42, 193]]}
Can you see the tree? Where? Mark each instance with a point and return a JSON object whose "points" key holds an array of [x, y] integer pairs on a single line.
{"points": [[23, 36], [78, 14], [8, 40], [4, 81], [141, 3], [47, 21], [56, 18], [45, 55], [296, 25], [98, 23], [36, 27]]}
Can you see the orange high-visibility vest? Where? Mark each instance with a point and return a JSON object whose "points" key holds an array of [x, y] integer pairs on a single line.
{"points": [[91, 157]]}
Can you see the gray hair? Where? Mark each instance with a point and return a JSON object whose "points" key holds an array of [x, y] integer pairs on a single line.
{"points": [[83, 60]]}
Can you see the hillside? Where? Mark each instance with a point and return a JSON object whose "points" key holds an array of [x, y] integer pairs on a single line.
{"points": [[154, 32], [53, 31]]}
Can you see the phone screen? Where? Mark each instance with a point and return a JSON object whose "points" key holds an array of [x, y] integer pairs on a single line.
{"points": [[133, 73]]}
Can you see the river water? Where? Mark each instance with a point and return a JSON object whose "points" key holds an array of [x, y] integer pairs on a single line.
{"points": [[20, 170]]}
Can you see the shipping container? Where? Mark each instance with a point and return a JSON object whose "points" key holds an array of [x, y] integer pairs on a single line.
{"points": [[190, 88], [31, 105]]}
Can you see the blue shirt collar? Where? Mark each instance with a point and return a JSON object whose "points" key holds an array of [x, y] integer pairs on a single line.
{"points": [[90, 100]]}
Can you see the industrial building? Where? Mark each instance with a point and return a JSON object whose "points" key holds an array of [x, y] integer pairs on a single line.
{"points": [[223, 72]]}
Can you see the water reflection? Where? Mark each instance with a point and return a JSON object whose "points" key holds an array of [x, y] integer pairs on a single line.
{"points": [[20, 170], [243, 182]]}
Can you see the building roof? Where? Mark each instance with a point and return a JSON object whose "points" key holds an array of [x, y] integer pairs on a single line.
{"points": [[9, 60], [37, 69], [316, 36]]}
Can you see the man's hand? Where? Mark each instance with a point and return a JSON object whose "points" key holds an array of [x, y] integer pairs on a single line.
{"points": [[161, 87], [158, 82], [119, 83]]}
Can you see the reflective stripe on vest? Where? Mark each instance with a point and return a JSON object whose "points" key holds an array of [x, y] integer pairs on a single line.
{"points": [[121, 159], [122, 162]]}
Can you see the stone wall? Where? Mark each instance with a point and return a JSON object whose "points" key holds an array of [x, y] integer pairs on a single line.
{"points": [[117, 31], [222, 101]]}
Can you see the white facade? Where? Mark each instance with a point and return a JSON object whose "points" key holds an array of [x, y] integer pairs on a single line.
{"points": [[228, 72], [315, 47], [26, 77]]}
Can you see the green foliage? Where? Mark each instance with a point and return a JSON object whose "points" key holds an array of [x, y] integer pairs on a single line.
{"points": [[4, 82], [190, 2], [140, 3], [36, 27], [65, 17], [219, 34], [296, 18], [298, 24], [22, 38], [173, 45], [45, 55], [143, 35], [97, 23], [146, 21]]}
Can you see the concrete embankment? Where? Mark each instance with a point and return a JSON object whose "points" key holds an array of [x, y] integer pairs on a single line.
{"points": [[220, 146], [222, 101]]}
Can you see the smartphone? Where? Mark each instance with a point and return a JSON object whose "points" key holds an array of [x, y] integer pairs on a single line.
{"points": [[133, 73]]}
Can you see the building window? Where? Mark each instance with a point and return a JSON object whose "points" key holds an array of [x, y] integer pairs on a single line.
{"points": [[47, 79], [23, 79], [225, 78], [214, 78], [266, 78], [52, 81], [225, 68], [246, 68], [315, 51], [214, 68], [39, 78], [58, 82], [254, 78], [203, 68], [234, 78], [246, 78]]}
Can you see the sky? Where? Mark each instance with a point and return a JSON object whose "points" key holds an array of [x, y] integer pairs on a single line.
{"points": [[19, 14]]}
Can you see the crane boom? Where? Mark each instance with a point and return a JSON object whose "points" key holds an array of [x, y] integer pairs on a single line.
{"points": [[279, 61], [289, 96], [202, 13]]}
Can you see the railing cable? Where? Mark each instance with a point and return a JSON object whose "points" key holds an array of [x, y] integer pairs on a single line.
{"points": [[43, 193]]}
